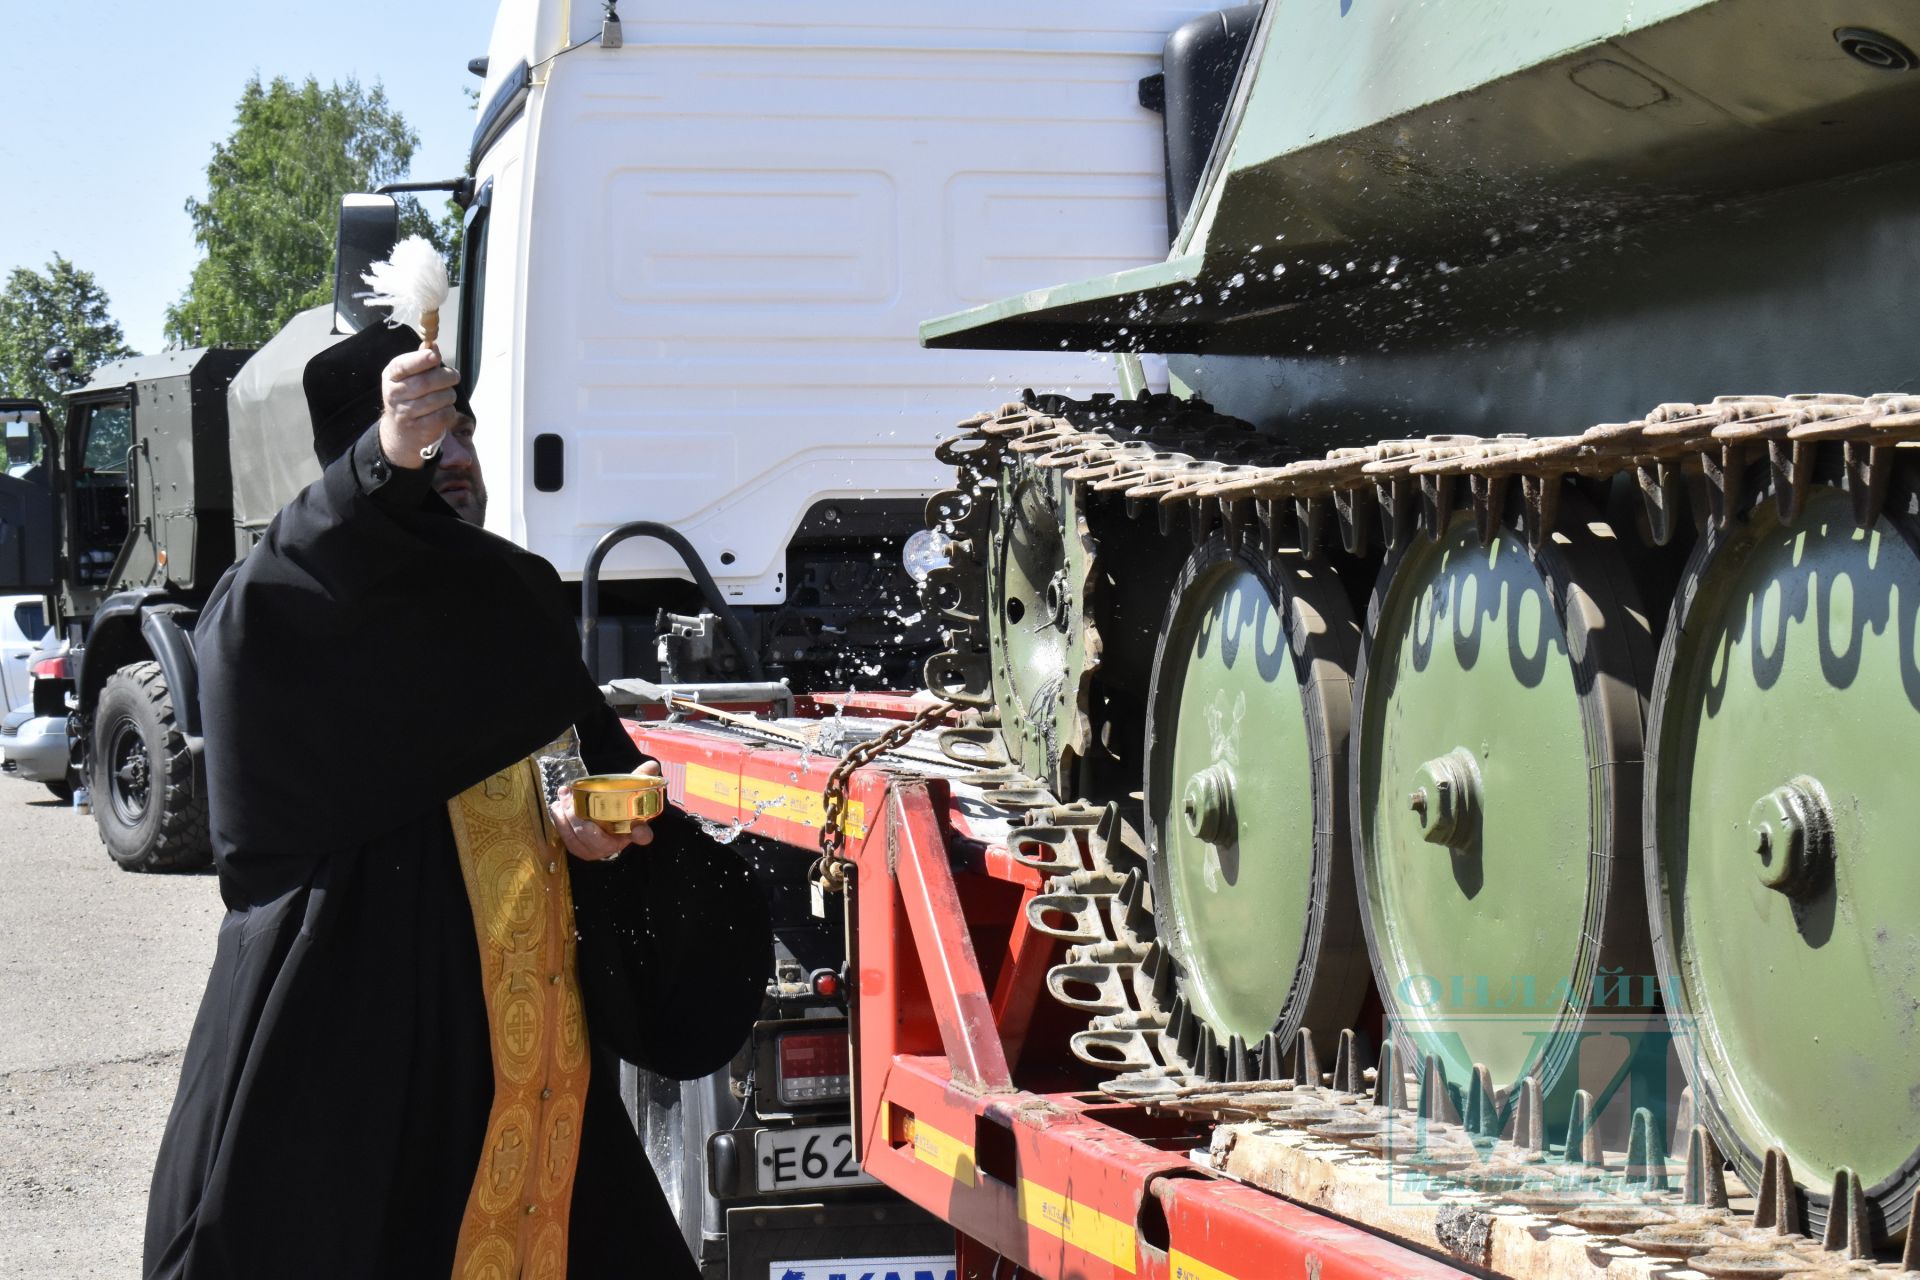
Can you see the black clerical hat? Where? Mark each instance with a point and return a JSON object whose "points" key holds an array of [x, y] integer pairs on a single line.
{"points": [[343, 386]]}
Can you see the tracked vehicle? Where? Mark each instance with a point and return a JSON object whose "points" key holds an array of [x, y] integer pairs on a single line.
{"points": [[1483, 621]]}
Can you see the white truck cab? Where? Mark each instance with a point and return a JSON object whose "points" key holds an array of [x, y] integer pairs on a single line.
{"points": [[697, 259], [698, 251]]}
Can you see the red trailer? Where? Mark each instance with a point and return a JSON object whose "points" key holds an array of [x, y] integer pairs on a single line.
{"points": [[964, 1097]]}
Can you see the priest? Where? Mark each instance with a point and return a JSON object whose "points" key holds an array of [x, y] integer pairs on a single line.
{"points": [[406, 1060]]}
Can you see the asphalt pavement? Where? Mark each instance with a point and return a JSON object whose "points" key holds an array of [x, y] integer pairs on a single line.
{"points": [[100, 974]]}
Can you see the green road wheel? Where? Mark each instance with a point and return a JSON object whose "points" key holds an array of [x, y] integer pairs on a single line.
{"points": [[1041, 641], [1245, 789], [1780, 851], [1496, 781]]}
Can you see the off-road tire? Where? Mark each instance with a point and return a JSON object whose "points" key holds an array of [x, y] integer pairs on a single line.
{"points": [[140, 776]]}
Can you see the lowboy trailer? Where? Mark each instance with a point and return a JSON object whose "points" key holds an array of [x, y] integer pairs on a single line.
{"points": [[954, 1105]]}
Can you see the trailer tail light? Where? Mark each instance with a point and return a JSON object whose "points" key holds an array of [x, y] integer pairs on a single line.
{"points": [[813, 1066], [54, 668]]}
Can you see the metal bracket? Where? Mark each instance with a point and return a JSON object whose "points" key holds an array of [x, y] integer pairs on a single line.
{"points": [[1355, 510], [1310, 516], [1790, 466], [1660, 494], [1725, 471], [1706, 1170], [1848, 1230], [1489, 505], [1779, 1203], [1539, 506], [1869, 467], [1436, 504]]}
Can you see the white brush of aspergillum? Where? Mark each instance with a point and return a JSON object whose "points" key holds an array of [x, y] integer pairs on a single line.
{"points": [[412, 285]]}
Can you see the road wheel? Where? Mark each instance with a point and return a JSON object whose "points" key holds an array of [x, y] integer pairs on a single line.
{"points": [[151, 817], [62, 791]]}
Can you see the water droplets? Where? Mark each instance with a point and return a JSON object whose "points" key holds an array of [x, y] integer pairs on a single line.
{"points": [[727, 833]]}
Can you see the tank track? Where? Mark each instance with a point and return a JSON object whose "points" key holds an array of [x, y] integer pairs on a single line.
{"points": [[1394, 488], [1040, 435], [1211, 476], [1487, 1199], [1099, 900]]}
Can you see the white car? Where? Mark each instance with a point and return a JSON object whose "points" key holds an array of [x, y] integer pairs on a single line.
{"points": [[35, 749], [23, 620]]}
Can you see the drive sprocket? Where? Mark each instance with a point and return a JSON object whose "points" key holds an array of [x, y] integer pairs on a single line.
{"points": [[1043, 637]]}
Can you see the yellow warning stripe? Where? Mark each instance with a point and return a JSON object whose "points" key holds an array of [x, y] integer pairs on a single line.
{"points": [[944, 1152], [756, 796], [1086, 1229], [1082, 1226], [1186, 1267]]}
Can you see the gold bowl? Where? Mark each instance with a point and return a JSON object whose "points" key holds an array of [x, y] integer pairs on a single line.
{"points": [[616, 801]]}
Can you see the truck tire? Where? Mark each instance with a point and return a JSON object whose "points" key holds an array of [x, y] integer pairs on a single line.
{"points": [[151, 816]]}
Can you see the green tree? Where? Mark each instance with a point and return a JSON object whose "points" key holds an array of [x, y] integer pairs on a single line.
{"points": [[60, 307], [451, 234], [266, 227]]}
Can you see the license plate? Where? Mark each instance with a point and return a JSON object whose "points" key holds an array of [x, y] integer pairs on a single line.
{"points": [[794, 1159], [930, 1267]]}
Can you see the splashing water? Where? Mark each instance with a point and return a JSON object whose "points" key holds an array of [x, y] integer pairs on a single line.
{"points": [[728, 833]]}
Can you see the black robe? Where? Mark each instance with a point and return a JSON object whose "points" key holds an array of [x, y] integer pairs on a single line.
{"points": [[372, 659]]}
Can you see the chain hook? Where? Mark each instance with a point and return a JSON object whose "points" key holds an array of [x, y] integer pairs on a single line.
{"points": [[830, 870]]}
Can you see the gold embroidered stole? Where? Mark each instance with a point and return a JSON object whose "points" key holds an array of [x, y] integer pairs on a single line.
{"points": [[515, 1226]]}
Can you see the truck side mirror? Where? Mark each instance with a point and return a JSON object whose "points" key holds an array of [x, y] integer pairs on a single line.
{"points": [[369, 228], [1199, 68]]}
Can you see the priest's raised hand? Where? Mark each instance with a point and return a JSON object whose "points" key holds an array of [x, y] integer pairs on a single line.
{"points": [[419, 406]]}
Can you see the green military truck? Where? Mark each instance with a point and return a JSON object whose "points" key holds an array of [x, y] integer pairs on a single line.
{"points": [[126, 523], [170, 468]]}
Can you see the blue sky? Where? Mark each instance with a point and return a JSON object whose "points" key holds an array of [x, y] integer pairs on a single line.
{"points": [[113, 107]]}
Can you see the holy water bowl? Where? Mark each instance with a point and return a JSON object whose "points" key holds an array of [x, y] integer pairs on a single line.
{"points": [[616, 801]]}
